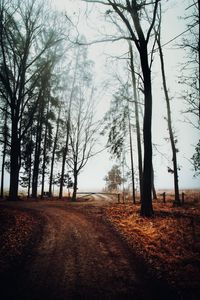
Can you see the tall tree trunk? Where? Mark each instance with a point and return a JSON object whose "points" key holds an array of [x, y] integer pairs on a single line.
{"points": [[146, 205], [153, 186], [29, 180], [3, 170], [4, 153], [44, 158], [53, 152], [132, 161], [30, 168], [169, 122], [65, 150], [123, 177], [37, 158], [137, 121], [75, 186], [14, 160], [199, 54]]}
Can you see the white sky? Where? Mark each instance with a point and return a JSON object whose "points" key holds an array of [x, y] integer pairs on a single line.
{"points": [[92, 176]]}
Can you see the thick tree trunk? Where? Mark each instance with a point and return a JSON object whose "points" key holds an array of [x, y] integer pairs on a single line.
{"points": [[29, 182], [75, 186], [14, 161], [146, 205]]}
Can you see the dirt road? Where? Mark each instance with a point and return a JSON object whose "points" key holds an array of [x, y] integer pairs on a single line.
{"points": [[77, 256]]}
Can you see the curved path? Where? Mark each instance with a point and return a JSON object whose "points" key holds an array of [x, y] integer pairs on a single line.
{"points": [[77, 257]]}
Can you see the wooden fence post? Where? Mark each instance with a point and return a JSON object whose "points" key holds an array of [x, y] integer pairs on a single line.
{"points": [[164, 194], [183, 198], [118, 198]]}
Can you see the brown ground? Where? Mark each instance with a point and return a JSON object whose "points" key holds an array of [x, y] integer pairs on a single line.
{"points": [[57, 250], [168, 243]]}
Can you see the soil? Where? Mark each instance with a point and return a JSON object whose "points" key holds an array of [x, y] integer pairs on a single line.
{"points": [[70, 252]]}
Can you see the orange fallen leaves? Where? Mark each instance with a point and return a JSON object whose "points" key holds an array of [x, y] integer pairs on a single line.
{"points": [[169, 243], [16, 230]]}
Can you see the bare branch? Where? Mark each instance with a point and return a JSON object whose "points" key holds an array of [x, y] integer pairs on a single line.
{"points": [[153, 20], [102, 41]]}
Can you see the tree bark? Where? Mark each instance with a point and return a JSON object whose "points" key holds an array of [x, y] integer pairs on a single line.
{"points": [[132, 161], [53, 152], [37, 151], [153, 186], [65, 151], [44, 157], [29, 178], [146, 200], [2, 170], [30, 167], [14, 160], [4, 153], [75, 186], [199, 54]]}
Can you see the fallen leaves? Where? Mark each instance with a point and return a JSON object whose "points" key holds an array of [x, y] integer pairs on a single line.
{"points": [[169, 242], [16, 231]]}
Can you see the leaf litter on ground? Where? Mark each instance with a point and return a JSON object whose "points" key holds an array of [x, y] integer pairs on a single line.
{"points": [[169, 242]]}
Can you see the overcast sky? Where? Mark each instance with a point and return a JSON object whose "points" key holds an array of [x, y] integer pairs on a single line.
{"points": [[97, 168], [92, 177]]}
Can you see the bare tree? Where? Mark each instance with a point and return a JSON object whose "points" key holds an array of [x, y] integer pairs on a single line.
{"points": [[82, 137], [131, 13], [65, 149]]}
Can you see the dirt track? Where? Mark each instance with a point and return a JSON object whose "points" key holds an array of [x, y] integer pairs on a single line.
{"points": [[77, 256]]}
